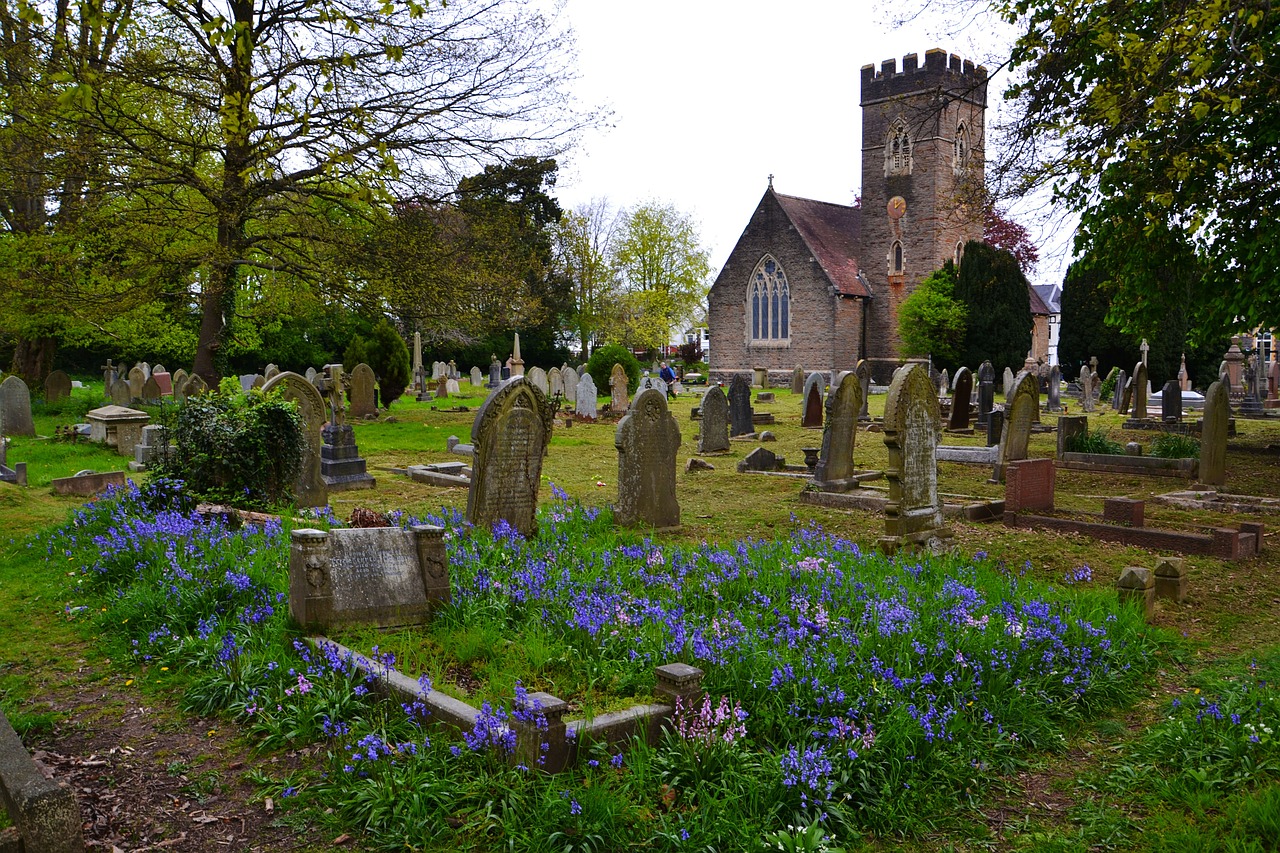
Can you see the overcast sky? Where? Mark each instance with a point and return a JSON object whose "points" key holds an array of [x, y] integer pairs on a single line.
{"points": [[710, 97]]}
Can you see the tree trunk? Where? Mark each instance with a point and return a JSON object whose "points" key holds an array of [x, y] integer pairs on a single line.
{"points": [[33, 358]]}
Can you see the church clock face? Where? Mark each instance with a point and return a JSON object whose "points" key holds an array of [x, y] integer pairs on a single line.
{"points": [[897, 206]]}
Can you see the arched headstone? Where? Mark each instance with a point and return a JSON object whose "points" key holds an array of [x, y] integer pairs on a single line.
{"points": [[1024, 400], [618, 400], [585, 397], [713, 434], [361, 393], [835, 466], [647, 440], [309, 488], [538, 377], [57, 387], [15, 407], [813, 398], [961, 399], [510, 435], [913, 515], [569, 378]]}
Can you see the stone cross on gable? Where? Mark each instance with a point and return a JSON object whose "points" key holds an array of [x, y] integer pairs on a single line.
{"points": [[1144, 348]]}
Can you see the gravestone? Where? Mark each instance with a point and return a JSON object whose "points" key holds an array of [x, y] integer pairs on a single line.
{"points": [[121, 392], [151, 391], [452, 386], [246, 381], [268, 373], [110, 373], [437, 370], [1007, 384], [740, 406], [341, 466], [510, 436], [1213, 435], [961, 399], [1126, 399], [814, 401], [1069, 427], [555, 383], [585, 402], [1086, 388], [179, 379], [647, 440], [310, 374], [1055, 389], [913, 515], [944, 383], [157, 368], [152, 447], [195, 385], [1140, 392], [618, 400], [995, 427], [360, 394], [538, 377], [477, 378], [570, 378], [713, 436], [15, 407], [379, 576], [1118, 401], [834, 471], [760, 377], [495, 372], [453, 370], [144, 368], [654, 382], [1184, 378], [986, 392], [442, 387], [57, 386], [137, 378], [863, 372], [1273, 381], [797, 380], [418, 372], [1171, 402], [1018, 417], [309, 487]]}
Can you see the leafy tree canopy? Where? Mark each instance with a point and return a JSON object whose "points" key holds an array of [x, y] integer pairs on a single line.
{"points": [[931, 321], [998, 321]]}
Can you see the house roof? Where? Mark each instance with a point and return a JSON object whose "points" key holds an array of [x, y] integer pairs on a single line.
{"points": [[1050, 294], [1038, 303], [832, 232]]}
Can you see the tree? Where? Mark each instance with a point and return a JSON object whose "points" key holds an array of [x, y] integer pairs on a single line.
{"points": [[295, 112], [584, 256], [1001, 232], [931, 321], [994, 291], [664, 272], [1158, 120]]}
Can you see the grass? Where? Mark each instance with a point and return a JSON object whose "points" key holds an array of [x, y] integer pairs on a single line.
{"points": [[1206, 643]]}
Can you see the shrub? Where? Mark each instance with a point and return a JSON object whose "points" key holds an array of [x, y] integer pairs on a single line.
{"points": [[1094, 442], [384, 351], [601, 363], [242, 449], [1169, 445], [1108, 389], [931, 321]]}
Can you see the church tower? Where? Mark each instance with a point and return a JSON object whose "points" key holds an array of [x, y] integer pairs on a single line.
{"points": [[923, 145]]}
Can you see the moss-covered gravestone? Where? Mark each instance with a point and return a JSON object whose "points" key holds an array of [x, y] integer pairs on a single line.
{"points": [[1213, 436], [510, 435], [913, 515], [647, 440], [309, 488], [1024, 402], [713, 435]]}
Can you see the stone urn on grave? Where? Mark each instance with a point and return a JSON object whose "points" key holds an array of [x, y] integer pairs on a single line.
{"points": [[811, 455]]}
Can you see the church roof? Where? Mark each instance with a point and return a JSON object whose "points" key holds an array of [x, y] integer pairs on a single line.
{"points": [[832, 232], [1038, 305], [1050, 294]]}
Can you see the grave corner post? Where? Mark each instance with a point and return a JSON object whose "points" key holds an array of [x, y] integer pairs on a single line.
{"points": [[433, 561], [310, 586], [541, 733]]}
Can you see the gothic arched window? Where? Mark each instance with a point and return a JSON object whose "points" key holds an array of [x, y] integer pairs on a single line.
{"points": [[961, 154], [959, 252], [897, 152], [770, 303], [895, 258]]}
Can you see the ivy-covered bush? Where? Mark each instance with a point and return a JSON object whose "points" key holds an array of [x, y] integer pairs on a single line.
{"points": [[236, 448], [601, 363]]}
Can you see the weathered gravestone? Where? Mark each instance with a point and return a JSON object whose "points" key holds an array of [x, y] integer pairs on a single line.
{"points": [[247, 381], [740, 406], [1069, 427], [913, 515], [1140, 392], [151, 391], [453, 387], [1018, 417], [380, 576], [271, 371], [585, 405], [1009, 379], [361, 393], [797, 380], [1213, 435], [311, 374], [179, 380], [555, 383], [653, 382], [110, 373], [813, 398], [477, 378], [151, 448], [510, 435], [309, 487], [1086, 388], [341, 466], [15, 407], [713, 435], [618, 400], [834, 471], [137, 378], [1171, 402], [863, 372], [538, 377], [944, 383], [647, 440], [57, 386], [442, 387], [163, 381], [1055, 389], [570, 378], [986, 392], [1119, 401], [961, 399], [1184, 378], [121, 392], [495, 372], [195, 385], [158, 368]]}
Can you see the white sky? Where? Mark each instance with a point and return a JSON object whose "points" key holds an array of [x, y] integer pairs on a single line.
{"points": [[710, 97]]}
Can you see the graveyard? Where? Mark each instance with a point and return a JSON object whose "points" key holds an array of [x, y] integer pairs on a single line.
{"points": [[999, 693]]}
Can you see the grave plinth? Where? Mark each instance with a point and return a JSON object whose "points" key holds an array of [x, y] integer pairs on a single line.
{"points": [[1137, 585], [679, 681], [380, 576], [541, 742], [1171, 578], [341, 467], [118, 427]]}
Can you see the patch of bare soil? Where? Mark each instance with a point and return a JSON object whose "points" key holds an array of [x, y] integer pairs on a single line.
{"points": [[151, 778]]}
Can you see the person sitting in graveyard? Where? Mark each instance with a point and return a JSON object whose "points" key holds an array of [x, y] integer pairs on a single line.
{"points": [[668, 376]]}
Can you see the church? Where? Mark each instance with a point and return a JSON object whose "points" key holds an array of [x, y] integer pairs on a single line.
{"points": [[817, 284]]}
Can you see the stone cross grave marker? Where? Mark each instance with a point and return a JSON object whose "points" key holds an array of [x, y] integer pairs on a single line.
{"points": [[57, 386], [15, 403], [380, 576], [797, 380], [510, 435], [361, 393], [1171, 402], [834, 471], [1140, 391], [913, 515], [1019, 415], [961, 399], [309, 487], [585, 402], [647, 440], [618, 400], [813, 399], [713, 434], [110, 373], [1213, 435], [740, 406]]}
